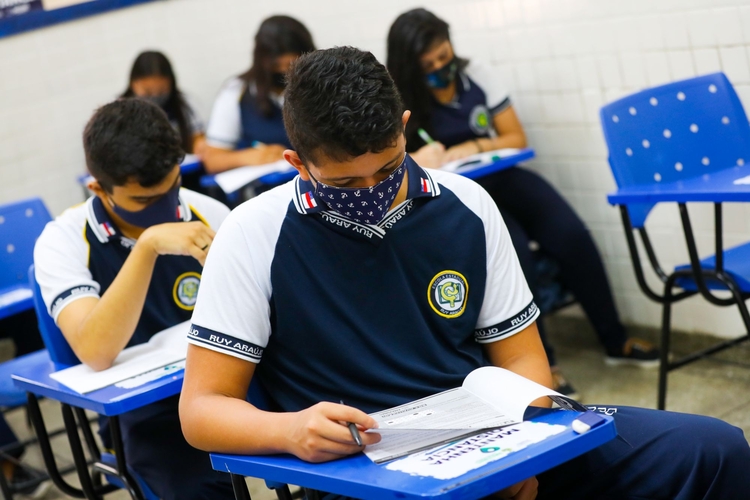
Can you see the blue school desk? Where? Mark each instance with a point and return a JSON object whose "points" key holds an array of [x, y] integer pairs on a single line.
{"points": [[359, 477], [208, 181], [110, 401]]}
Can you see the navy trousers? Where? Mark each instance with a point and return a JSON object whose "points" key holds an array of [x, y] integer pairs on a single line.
{"points": [[533, 210], [658, 455], [157, 451]]}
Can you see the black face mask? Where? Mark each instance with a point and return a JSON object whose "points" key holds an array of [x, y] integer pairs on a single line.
{"points": [[443, 77], [278, 80]]}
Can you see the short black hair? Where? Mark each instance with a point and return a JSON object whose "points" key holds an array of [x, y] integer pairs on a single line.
{"points": [[341, 103], [130, 139]]}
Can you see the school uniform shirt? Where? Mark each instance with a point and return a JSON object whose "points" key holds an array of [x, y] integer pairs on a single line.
{"points": [[479, 98], [331, 308], [80, 253], [237, 123]]}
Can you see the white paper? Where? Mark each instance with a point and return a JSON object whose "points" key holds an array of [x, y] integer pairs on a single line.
{"points": [[490, 397], [190, 159], [166, 347], [479, 160], [237, 178], [459, 457], [742, 180], [14, 296]]}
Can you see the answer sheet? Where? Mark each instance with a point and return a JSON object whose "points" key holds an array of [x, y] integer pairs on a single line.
{"points": [[237, 178], [165, 348]]}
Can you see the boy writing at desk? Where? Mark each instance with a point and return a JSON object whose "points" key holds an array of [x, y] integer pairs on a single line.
{"points": [[370, 279], [125, 265]]}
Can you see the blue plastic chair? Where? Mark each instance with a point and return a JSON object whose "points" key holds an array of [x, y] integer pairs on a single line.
{"points": [[21, 223], [63, 356], [680, 143]]}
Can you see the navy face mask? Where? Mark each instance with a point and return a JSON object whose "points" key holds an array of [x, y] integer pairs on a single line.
{"points": [[441, 78], [165, 209], [278, 80], [366, 205], [158, 99]]}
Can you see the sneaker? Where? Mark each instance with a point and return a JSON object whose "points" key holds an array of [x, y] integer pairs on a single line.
{"points": [[636, 352], [561, 385], [26, 482]]}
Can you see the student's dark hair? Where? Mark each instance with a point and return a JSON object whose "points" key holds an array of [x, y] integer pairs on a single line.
{"points": [[153, 63], [341, 103], [130, 139], [411, 35], [277, 35]]}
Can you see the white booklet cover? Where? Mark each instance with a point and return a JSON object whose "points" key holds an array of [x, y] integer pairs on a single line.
{"points": [[237, 178], [489, 398], [479, 160], [165, 348]]}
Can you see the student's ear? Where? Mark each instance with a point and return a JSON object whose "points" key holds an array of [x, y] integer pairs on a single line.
{"points": [[292, 158], [96, 188], [405, 117]]}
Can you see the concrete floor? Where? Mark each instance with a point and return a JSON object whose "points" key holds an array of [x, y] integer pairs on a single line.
{"points": [[717, 388]]}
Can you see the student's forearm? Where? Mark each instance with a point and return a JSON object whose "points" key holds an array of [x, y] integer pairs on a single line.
{"points": [[509, 140], [218, 160], [109, 326], [223, 424]]}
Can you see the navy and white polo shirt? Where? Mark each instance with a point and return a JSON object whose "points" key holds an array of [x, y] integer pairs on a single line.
{"points": [[237, 123], [479, 98], [376, 315], [80, 253]]}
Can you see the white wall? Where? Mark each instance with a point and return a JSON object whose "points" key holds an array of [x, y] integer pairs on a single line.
{"points": [[562, 59]]}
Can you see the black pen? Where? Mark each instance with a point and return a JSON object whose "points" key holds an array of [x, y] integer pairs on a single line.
{"points": [[354, 431]]}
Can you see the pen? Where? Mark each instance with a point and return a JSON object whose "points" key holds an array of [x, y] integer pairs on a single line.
{"points": [[354, 431], [425, 136]]}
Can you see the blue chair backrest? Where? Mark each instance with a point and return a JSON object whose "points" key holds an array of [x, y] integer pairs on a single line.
{"points": [[59, 350], [21, 223], [676, 131]]}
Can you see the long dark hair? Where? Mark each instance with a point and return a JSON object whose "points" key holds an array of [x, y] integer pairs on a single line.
{"points": [[277, 35], [153, 63], [411, 35]]}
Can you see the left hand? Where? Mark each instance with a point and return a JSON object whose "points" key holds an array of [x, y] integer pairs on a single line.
{"points": [[460, 151], [525, 490]]}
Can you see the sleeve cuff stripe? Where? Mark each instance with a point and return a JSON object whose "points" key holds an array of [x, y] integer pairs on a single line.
{"points": [[223, 350], [509, 331], [505, 104], [219, 347]]}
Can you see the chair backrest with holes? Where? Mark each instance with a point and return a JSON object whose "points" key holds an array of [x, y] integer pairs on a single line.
{"points": [[21, 223], [676, 131]]}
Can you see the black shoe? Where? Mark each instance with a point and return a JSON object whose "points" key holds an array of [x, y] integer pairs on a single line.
{"points": [[29, 483], [635, 352], [561, 385]]}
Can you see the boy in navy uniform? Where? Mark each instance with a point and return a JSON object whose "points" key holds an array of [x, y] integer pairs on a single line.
{"points": [[125, 265], [371, 280]]}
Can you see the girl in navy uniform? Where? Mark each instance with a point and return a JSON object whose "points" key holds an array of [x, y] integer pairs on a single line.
{"points": [[456, 103], [246, 126], [153, 79]]}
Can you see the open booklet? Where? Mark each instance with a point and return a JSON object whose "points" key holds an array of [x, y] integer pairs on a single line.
{"points": [[479, 160], [165, 352], [237, 178], [489, 398]]}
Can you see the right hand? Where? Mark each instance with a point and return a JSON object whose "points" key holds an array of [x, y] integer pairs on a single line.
{"points": [[179, 238], [320, 434], [267, 153], [430, 155]]}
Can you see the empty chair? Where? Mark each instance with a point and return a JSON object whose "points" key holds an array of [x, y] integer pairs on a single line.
{"points": [[683, 142]]}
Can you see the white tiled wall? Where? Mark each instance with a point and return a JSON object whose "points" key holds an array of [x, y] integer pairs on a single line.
{"points": [[561, 59]]}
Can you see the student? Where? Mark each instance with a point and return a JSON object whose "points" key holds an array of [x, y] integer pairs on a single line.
{"points": [[246, 126], [127, 264], [324, 301], [458, 105], [153, 79]]}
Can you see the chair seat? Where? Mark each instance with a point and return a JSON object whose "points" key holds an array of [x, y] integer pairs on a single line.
{"points": [[736, 264], [15, 299], [10, 395]]}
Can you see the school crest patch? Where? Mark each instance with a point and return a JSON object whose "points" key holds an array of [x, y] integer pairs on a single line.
{"points": [[447, 294], [185, 291]]}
